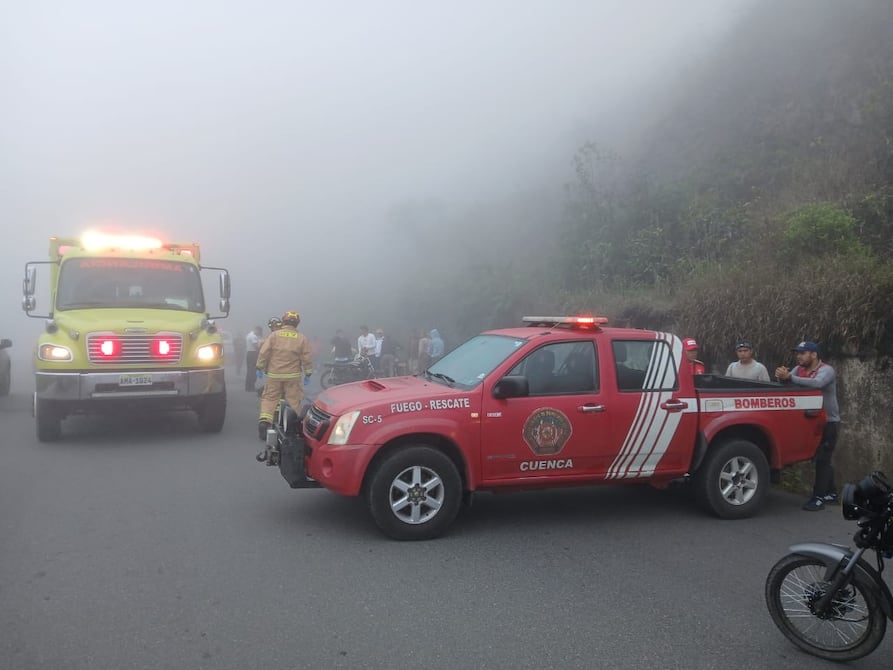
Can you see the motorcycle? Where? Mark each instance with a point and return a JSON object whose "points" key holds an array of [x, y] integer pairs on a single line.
{"points": [[342, 372], [827, 598], [284, 445]]}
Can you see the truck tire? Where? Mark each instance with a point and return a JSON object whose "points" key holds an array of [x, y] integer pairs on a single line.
{"points": [[414, 493], [733, 480], [212, 413], [48, 420]]}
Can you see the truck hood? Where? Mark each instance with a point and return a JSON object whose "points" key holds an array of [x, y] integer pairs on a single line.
{"points": [[119, 320], [367, 394]]}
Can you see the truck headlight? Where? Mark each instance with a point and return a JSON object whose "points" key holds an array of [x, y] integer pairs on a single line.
{"points": [[343, 426], [53, 352], [209, 352]]}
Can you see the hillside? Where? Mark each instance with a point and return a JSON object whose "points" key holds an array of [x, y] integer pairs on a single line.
{"points": [[768, 176]]}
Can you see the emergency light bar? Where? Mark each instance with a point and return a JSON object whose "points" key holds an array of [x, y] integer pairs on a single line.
{"points": [[581, 322], [95, 242]]}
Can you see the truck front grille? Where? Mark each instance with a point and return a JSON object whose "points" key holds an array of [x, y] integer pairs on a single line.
{"points": [[316, 423], [134, 349]]}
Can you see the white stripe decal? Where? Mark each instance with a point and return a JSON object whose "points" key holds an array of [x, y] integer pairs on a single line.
{"points": [[643, 429], [652, 429], [652, 438]]}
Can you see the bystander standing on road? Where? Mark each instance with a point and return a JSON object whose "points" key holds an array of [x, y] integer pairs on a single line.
{"points": [[424, 353], [435, 347], [389, 348], [747, 367], [365, 343], [239, 351], [690, 347], [340, 347], [811, 372], [252, 345]]}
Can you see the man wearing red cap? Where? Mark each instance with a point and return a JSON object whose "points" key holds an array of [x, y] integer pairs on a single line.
{"points": [[690, 347]]}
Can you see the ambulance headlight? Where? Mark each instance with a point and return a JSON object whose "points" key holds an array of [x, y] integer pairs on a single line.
{"points": [[209, 352], [53, 352], [343, 426]]}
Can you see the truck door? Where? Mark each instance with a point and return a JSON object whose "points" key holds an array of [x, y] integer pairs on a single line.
{"points": [[653, 426], [558, 429]]}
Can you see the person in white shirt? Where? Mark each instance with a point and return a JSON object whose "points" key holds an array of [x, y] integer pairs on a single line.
{"points": [[376, 354], [253, 340], [746, 367], [365, 342]]}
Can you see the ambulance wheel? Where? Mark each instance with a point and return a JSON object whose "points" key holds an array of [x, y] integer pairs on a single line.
{"points": [[733, 480], [48, 420], [212, 413], [326, 380], [414, 493]]}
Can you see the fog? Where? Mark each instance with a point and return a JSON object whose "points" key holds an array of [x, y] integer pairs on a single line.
{"points": [[286, 138]]}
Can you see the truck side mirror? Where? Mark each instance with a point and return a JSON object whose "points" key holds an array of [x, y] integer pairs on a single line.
{"points": [[512, 386], [29, 304], [224, 290], [29, 283], [224, 306]]}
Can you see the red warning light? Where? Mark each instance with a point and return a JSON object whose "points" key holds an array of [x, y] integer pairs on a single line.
{"points": [[161, 348], [110, 348]]}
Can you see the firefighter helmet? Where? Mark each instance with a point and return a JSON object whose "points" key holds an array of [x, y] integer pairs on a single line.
{"points": [[274, 323], [291, 318]]}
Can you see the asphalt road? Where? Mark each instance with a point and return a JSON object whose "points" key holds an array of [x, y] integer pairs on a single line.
{"points": [[141, 543]]}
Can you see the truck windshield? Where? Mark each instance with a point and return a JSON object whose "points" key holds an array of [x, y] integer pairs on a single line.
{"points": [[86, 283], [471, 362]]}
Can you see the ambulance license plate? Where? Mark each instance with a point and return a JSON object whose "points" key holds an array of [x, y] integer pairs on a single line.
{"points": [[135, 380]]}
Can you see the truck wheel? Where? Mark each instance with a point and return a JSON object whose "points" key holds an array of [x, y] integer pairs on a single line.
{"points": [[733, 479], [48, 420], [211, 413], [414, 493], [326, 379]]}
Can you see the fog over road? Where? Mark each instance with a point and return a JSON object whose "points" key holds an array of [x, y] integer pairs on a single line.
{"points": [[142, 543]]}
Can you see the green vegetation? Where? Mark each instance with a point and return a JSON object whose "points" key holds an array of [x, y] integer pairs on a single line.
{"points": [[759, 205]]}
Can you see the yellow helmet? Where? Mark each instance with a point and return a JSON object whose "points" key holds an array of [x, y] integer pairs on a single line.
{"points": [[291, 318]]}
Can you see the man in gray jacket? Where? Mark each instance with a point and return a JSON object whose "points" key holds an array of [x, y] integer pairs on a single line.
{"points": [[813, 373]]}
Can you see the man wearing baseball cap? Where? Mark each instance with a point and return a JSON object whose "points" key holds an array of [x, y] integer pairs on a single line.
{"points": [[746, 367], [690, 347], [811, 372]]}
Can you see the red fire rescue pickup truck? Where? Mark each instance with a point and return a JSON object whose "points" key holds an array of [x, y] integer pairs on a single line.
{"points": [[562, 401]]}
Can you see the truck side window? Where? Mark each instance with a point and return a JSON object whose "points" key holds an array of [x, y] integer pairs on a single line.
{"points": [[560, 368], [644, 365]]}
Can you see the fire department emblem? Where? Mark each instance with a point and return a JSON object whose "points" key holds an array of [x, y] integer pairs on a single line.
{"points": [[546, 431]]}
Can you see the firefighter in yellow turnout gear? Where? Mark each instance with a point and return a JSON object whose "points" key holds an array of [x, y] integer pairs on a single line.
{"points": [[286, 359]]}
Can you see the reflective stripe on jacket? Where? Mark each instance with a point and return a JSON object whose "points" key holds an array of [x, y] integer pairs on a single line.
{"points": [[285, 354]]}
